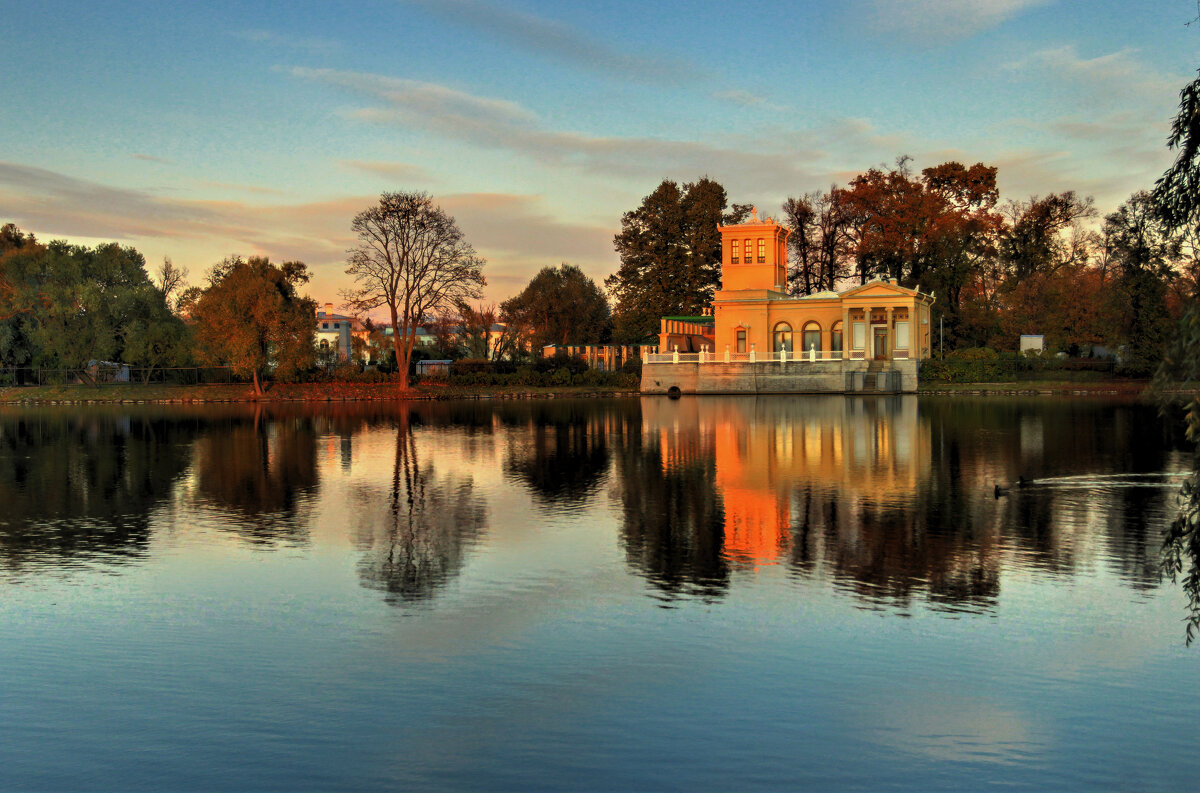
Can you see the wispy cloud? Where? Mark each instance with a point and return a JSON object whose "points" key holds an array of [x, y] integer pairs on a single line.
{"points": [[559, 42], [499, 124], [941, 21], [394, 172], [243, 188], [745, 99], [1119, 75], [151, 158], [310, 44]]}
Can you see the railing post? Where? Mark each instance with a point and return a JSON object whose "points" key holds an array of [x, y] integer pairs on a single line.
{"points": [[812, 353], [782, 355], [675, 354], [753, 354], [701, 355]]}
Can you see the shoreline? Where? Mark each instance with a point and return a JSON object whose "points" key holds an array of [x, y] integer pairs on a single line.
{"points": [[387, 392], [138, 394]]}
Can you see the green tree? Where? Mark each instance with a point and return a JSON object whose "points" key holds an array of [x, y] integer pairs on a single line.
{"points": [[411, 257], [93, 304], [252, 319], [670, 251], [562, 306], [1176, 199], [1143, 252], [1176, 194]]}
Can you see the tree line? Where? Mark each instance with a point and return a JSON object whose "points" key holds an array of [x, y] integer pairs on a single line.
{"points": [[999, 268]]}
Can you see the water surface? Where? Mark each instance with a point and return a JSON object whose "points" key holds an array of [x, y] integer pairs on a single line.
{"points": [[704, 594]]}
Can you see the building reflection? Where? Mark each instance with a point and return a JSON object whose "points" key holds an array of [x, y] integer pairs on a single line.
{"points": [[890, 497]]}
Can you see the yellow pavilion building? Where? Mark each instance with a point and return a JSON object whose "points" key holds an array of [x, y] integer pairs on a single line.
{"points": [[759, 339]]}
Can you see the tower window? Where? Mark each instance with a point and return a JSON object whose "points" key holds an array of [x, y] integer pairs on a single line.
{"points": [[735, 247], [762, 251]]}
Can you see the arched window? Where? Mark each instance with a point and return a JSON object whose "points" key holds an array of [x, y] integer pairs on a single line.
{"points": [[812, 337], [783, 337], [762, 250], [835, 337], [324, 344]]}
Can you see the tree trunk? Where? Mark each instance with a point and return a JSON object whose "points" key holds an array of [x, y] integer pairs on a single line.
{"points": [[258, 391], [400, 350]]}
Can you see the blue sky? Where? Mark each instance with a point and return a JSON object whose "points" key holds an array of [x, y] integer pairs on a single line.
{"points": [[200, 130]]}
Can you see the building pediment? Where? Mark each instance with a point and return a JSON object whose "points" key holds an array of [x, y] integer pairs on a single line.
{"points": [[880, 288]]}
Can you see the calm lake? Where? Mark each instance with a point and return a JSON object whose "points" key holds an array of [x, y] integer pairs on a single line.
{"points": [[728, 594]]}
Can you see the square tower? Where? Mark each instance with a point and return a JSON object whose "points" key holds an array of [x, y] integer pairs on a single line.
{"points": [[754, 255]]}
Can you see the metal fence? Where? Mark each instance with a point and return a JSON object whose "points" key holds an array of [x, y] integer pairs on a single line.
{"points": [[100, 376]]}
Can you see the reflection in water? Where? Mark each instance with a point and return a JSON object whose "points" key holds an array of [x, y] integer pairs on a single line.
{"points": [[82, 485], [672, 523], [564, 456], [262, 469], [892, 497], [889, 498], [416, 536]]}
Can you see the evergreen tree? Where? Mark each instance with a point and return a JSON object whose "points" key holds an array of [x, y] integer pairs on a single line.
{"points": [[670, 252]]}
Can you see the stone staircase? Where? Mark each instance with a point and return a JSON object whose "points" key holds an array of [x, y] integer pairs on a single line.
{"points": [[875, 367]]}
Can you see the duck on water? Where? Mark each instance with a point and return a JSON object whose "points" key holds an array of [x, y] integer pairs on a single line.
{"points": [[998, 491]]}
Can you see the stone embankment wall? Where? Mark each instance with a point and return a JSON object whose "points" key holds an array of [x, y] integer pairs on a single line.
{"points": [[772, 377]]}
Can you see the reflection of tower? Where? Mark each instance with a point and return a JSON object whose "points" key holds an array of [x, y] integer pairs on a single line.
{"points": [[856, 450], [756, 518]]}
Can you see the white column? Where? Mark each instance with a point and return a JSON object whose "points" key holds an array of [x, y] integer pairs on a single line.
{"points": [[847, 334], [891, 338], [868, 335]]}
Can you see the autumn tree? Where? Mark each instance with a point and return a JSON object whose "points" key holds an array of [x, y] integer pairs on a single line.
{"points": [[1042, 279], [411, 257], [252, 319], [670, 250], [931, 232], [21, 258], [562, 306]]}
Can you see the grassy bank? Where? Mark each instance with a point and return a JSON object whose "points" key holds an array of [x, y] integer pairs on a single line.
{"points": [[286, 392], [1033, 387]]}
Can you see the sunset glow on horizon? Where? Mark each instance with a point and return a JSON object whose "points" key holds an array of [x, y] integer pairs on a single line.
{"points": [[198, 132]]}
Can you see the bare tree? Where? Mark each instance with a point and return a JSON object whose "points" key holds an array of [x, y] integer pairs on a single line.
{"points": [[412, 258], [172, 282]]}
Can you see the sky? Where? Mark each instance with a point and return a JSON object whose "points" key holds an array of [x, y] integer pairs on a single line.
{"points": [[197, 131]]}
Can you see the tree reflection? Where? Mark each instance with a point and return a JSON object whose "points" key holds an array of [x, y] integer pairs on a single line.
{"points": [[672, 518], [263, 470], [421, 539], [84, 486], [565, 455]]}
